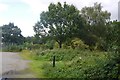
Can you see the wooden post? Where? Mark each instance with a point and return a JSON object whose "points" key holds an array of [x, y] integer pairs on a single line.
{"points": [[53, 61]]}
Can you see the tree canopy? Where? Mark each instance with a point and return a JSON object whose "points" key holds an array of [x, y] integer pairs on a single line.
{"points": [[61, 21], [11, 34], [96, 24]]}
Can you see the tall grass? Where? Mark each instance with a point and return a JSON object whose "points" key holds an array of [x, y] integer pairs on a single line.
{"points": [[70, 63]]}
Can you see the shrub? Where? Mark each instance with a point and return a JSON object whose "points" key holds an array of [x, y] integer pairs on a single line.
{"points": [[56, 45], [75, 63], [80, 64], [50, 44], [13, 48], [79, 44]]}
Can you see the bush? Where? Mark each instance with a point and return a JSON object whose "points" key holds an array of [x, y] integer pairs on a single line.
{"points": [[79, 44], [75, 63], [50, 44], [56, 45], [81, 64], [13, 48]]}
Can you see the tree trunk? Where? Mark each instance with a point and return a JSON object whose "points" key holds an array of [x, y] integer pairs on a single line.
{"points": [[60, 44]]}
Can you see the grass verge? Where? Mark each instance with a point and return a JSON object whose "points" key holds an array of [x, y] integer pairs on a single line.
{"points": [[35, 66], [69, 63]]}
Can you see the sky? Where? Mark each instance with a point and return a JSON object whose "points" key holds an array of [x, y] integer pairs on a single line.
{"points": [[25, 13]]}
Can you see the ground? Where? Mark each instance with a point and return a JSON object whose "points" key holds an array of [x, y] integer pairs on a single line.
{"points": [[13, 66]]}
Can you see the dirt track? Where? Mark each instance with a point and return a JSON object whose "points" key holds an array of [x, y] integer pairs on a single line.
{"points": [[13, 66]]}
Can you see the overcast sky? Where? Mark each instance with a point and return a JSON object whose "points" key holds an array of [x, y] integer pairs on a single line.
{"points": [[25, 13]]}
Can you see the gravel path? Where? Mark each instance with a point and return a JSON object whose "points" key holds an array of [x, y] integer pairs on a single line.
{"points": [[13, 66]]}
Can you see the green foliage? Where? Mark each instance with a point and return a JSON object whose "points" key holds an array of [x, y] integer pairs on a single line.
{"points": [[76, 64], [80, 64], [31, 46], [12, 38], [113, 36], [50, 44], [65, 27], [96, 24], [56, 45], [113, 45], [79, 44], [13, 48], [61, 21], [110, 69], [11, 34]]}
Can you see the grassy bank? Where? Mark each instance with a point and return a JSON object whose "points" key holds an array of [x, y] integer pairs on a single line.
{"points": [[70, 63], [35, 65]]}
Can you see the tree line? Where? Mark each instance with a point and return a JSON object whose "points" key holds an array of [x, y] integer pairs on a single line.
{"points": [[63, 23], [90, 24]]}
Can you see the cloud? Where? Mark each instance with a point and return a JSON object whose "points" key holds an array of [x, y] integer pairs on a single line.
{"points": [[37, 6], [3, 7], [25, 26]]}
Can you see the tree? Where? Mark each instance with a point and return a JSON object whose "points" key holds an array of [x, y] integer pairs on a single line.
{"points": [[41, 33], [113, 36], [61, 22], [96, 23], [11, 34], [113, 46]]}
